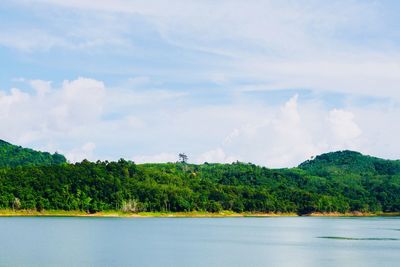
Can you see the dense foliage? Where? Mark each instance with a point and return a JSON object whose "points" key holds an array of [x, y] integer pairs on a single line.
{"points": [[334, 182], [343, 162], [12, 156]]}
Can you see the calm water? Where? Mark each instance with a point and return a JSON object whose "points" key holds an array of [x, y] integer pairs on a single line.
{"points": [[200, 242]]}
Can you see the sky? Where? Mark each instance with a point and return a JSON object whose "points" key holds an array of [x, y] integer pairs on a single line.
{"points": [[268, 82]]}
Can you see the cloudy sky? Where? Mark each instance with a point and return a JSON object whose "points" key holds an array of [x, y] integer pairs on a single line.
{"points": [[269, 82]]}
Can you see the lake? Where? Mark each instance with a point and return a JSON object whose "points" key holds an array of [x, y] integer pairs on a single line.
{"points": [[276, 241]]}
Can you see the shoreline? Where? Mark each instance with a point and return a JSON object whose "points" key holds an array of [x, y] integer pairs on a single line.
{"points": [[224, 214]]}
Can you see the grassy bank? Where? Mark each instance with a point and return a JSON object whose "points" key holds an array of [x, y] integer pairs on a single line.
{"points": [[195, 214]]}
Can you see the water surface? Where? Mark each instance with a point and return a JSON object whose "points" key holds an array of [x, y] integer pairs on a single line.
{"points": [[283, 241]]}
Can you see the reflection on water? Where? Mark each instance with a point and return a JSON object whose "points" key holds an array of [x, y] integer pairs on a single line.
{"points": [[295, 241]]}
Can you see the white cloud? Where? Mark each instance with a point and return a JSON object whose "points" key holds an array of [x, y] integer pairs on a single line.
{"points": [[84, 152], [149, 127], [288, 135], [243, 47], [50, 113], [361, 74], [158, 158], [75, 112], [336, 46], [41, 87], [343, 125], [216, 155]]}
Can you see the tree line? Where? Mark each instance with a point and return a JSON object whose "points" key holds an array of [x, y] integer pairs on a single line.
{"points": [[333, 182]]}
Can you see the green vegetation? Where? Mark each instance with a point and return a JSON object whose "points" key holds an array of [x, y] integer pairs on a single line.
{"points": [[335, 182], [12, 156]]}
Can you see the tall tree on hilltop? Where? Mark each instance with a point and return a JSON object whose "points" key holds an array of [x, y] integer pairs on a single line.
{"points": [[183, 158]]}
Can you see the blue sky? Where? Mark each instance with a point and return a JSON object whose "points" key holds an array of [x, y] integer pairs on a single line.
{"points": [[271, 82]]}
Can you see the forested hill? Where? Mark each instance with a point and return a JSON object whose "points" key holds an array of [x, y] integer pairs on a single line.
{"points": [[12, 156], [334, 182], [343, 162]]}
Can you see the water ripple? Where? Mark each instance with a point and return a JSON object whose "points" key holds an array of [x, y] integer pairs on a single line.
{"points": [[360, 238]]}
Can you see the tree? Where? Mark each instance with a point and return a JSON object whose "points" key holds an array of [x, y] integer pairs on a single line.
{"points": [[130, 205], [183, 158], [16, 204]]}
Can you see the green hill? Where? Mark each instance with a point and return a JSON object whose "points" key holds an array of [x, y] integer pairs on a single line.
{"points": [[12, 156], [350, 162], [343, 181]]}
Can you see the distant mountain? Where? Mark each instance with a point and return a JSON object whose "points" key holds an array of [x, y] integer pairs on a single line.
{"points": [[350, 162], [12, 156]]}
